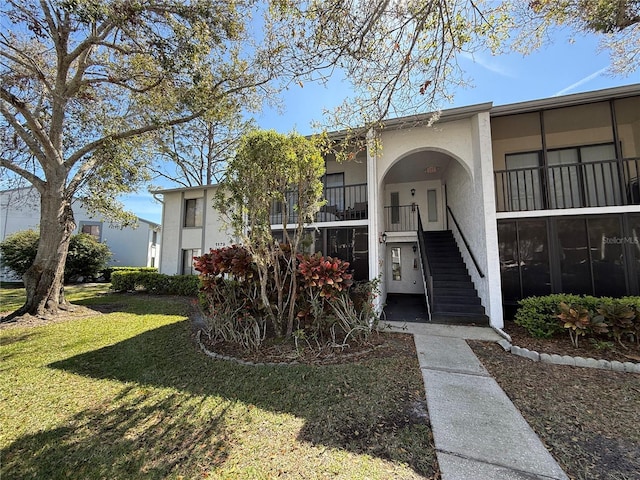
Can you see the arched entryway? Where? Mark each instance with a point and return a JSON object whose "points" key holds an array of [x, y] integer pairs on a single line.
{"points": [[421, 239]]}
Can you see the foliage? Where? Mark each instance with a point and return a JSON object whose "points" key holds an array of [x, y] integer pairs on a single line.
{"points": [[87, 257], [620, 318], [598, 318], [327, 275], [575, 319], [106, 272], [230, 295], [329, 309], [86, 86], [156, 283], [19, 250], [271, 168], [198, 153], [617, 22], [538, 314]]}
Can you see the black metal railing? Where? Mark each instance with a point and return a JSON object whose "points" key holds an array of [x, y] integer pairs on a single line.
{"points": [[570, 185], [427, 278], [348, 202], [466, 243], [401, 218]]}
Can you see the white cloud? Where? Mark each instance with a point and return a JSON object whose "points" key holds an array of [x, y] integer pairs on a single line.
{"points": [[488, 64], [582, 81]]}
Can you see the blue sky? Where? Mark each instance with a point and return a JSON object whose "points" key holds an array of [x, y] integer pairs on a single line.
{"points": [[560, 68]]}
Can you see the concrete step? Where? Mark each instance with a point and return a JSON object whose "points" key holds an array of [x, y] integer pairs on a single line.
{"points": [[457, 318], [454, 277], [469, 299], [465, 284], [457, 308]]}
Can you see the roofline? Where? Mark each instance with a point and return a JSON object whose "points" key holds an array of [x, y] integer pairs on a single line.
{"points": [[448, 115], [566, 100], [184, 189]]}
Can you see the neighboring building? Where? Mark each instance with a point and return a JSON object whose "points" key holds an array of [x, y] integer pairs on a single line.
{"points": [[486, 206], [136, 247]]}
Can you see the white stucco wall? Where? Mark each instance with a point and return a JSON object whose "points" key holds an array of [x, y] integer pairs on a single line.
{"points": [[176, 237], [469, 192]]}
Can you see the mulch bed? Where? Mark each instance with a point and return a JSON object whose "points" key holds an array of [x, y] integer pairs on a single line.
{"points": [[561, 345], [587, 418], [378, 345]]}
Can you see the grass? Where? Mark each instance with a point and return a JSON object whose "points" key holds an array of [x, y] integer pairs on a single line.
{"points": [[12, 295], [127, 395]]}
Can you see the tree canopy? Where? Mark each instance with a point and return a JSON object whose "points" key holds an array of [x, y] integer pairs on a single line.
{"points": [[86, 84]]}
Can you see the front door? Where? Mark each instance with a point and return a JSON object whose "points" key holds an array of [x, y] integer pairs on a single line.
{"points": [[433, 217], [403, 269]]}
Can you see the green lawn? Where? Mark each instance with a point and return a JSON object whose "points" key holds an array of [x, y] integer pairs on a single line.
{"points": [[127, 395]]}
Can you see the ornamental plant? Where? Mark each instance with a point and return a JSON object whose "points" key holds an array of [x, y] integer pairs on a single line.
{"points": [[575, 319], [326, 274], [620, 319]]}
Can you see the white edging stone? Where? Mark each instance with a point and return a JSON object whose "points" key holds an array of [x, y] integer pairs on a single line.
{"points": [[555, 359]]}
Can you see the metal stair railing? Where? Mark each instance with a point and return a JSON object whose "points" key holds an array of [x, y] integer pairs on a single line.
{"points": [[427, 278]]}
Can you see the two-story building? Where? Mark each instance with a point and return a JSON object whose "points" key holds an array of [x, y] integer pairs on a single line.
{"points": [[475, 211], [137, 246]]}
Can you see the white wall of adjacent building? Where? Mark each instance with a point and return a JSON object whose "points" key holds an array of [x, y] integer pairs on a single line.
{"points": [[137, 247]]}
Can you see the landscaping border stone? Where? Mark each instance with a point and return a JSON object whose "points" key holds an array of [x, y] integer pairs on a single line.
{"points": [[554, 359]]}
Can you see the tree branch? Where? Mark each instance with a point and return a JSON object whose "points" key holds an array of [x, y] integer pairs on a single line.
{"points": [[32, 178]]}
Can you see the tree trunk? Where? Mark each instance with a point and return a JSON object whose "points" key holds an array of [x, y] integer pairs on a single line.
{"points": [[43, 281]]}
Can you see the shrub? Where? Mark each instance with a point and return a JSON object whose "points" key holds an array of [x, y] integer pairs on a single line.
{"points": [[106, 272], [325, 309], [156, 283], [617, 318], [86, 258], [19, 250], [538, 315], [576, 319]]}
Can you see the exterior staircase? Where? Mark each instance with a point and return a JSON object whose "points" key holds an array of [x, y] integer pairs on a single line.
{"points": [[455, 299]]}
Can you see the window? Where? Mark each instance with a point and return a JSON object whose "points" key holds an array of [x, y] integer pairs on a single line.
{"points": [[396, 269], [187, 261], [334, 190], [193, 211], [93, 229], [523, 181], [154, 238], [395, 207], [432, 206]]}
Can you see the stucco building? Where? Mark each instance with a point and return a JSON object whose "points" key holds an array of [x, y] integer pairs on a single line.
{"points": [[487, 205]]}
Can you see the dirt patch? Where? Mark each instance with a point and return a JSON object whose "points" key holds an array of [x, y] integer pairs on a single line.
{"points": [[561, 345], [75, 312], [587, 418]]}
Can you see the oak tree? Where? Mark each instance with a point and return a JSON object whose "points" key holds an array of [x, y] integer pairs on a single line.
{"points": [[84, 84]]}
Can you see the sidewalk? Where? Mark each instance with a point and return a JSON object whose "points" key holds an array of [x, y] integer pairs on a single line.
{"points": [[478, 432]]}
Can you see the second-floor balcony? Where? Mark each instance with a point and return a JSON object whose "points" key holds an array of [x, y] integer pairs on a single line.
{"points": [[343, 203], [568, 185]]}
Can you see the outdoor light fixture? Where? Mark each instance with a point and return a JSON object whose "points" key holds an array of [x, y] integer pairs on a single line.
{"points": [[383, 238], [415, 248], [413, 192]]}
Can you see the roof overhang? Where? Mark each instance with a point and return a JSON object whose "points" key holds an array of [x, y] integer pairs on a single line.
{"points": [[566, 100]]}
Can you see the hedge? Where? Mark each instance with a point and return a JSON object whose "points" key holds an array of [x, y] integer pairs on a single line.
{"points": [[106, 273], [153, 282], [539, 315]]}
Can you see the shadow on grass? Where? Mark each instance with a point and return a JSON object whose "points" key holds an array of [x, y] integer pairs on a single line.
{"points": [[145, 435], [371, 408]]}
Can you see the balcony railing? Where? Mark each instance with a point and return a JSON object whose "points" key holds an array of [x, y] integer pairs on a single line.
{"points": [[401, 218], [342, 203], [570, 185]]}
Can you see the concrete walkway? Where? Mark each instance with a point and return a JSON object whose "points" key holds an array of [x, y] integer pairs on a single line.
{"points": [[479, 434]]}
